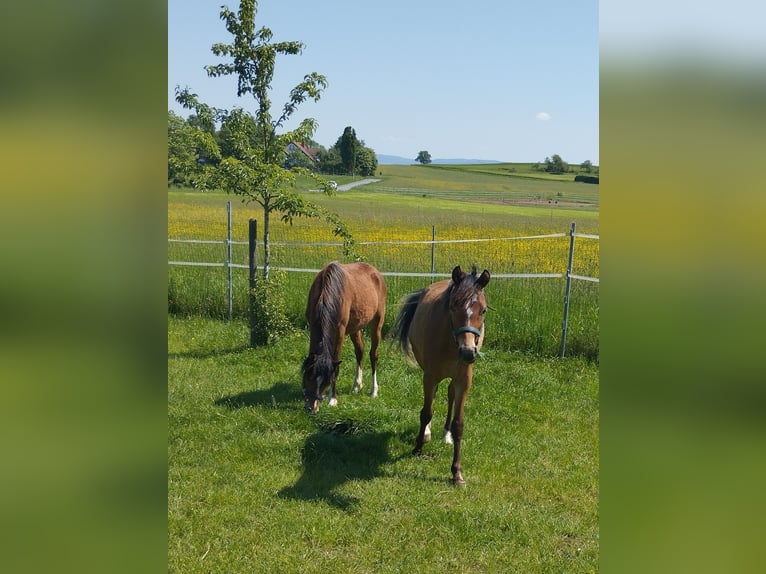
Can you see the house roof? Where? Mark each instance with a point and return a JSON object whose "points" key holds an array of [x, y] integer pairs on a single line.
{"points": [[310, 152]]}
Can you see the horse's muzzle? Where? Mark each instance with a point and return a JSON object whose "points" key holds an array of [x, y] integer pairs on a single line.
{"points": [[311, 404], [468, 354]]}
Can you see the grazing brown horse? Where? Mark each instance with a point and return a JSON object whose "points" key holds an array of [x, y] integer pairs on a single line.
{"points": [[442, 325], [343, 300]]}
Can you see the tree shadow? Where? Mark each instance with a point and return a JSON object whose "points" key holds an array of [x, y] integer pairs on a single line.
{"points": [[334, 456], [209, 353], [282, 395]]}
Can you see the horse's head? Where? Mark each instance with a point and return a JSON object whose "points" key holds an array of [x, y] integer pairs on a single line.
{"points": [[467, 305], [319, 372]]}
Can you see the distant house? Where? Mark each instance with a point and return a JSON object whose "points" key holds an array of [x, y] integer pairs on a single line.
{"points": [[309, 152]]}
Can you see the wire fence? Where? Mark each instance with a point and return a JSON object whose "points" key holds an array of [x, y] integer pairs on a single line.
{"points": [[528, 257]]}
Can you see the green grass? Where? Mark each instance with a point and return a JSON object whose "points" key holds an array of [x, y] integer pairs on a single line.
{"points": [[488, 183], [256, 485]]}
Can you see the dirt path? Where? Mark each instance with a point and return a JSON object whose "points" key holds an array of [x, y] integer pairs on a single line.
{"points": [[347, 186]]}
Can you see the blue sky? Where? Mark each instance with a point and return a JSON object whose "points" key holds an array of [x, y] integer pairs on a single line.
{"points": [[507, 80]]}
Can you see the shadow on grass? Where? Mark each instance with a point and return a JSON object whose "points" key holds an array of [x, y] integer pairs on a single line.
{"points": [[208, 354], [334, 456], [281, 395]]}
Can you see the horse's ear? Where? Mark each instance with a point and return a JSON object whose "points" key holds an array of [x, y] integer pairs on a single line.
{"points": [[483, 279], [457, 275]]}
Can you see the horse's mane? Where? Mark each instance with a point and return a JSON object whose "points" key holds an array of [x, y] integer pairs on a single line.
{"points": [[324, 320]]}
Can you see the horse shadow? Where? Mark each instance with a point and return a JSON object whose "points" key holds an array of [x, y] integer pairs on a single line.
{"points": [[282, 395], [334, 456]]}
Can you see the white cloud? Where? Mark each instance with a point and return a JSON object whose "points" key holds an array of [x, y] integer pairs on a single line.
{"points": [[544, 116]]}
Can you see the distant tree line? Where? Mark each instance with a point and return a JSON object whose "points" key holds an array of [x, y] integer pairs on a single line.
{"points": [[194, 142], [556, 165]]}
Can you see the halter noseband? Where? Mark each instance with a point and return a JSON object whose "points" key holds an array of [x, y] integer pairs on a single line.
{"points": [[467, 329]]}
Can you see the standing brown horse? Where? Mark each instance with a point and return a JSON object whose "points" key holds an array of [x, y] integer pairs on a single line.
{"points": [[442, 325], [343, 299]]}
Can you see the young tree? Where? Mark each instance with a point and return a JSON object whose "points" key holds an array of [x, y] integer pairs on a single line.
{"points": [[423, 157], [254, 167]]}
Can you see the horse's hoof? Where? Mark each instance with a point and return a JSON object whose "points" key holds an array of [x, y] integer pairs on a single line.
{"points": [[417, 451], [458, 481], [356, 389]]}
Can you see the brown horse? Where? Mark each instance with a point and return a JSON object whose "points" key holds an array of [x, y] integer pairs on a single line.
{"points": [[442, 326], [343, 299]]}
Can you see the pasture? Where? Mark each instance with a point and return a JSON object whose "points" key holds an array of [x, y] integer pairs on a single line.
{"points": [[257, 485]]}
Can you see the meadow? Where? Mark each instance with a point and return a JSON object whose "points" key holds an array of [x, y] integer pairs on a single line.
{"points": [[256, 485], [527, 312]]}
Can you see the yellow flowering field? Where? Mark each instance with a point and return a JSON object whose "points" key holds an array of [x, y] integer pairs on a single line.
{"points": [[394, 243], [394, 233]]}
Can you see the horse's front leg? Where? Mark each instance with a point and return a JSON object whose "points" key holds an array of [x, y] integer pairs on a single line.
{"points": [[461, 395], [450, 404], [358, 342], [430, 384], [333, 393]]}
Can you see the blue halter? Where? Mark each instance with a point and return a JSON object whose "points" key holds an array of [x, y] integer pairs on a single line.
{"points": [[468, 329]]}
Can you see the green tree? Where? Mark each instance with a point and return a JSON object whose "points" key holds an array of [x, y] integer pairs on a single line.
{"points": [[254, 169], [329, 161], [348, 146], [189, 148], [586, 166], [366, 160], [423, 157], [555, 164]]}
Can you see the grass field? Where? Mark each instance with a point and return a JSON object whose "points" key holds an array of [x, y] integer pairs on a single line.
{"points": [[256, 485]]}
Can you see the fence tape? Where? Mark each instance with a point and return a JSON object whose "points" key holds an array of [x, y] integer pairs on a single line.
{"points": [[394, 273], [583, 278]]}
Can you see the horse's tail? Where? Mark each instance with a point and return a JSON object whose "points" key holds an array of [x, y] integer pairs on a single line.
{"points": [[401, 327]]}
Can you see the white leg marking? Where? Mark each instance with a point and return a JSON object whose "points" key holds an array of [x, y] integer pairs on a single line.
{"points": [[358, 380], [333, 402], [427, 433], [447, 436], [374, 389]]}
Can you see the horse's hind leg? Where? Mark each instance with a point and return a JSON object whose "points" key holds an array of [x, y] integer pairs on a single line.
{"points": [[426, 413], [358, 342], [450, 404]]}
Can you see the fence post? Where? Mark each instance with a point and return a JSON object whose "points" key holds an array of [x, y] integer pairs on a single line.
{"points": [[229, 290], [433, 253], [252, 234], [565, 323]]}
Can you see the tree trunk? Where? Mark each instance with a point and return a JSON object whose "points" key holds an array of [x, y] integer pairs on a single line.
{"points": [[266, 245]]}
